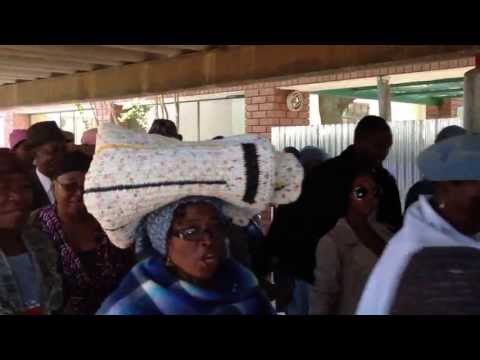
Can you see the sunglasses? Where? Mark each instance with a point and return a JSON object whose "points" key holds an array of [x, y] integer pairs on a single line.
{"points": [[361, 192], [195, 234]]}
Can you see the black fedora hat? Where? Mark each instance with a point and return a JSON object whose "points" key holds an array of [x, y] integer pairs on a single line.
{"points": [[42, 133]]}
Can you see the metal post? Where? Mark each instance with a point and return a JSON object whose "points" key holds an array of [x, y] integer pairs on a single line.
{"points": [[471, 95], [198, 120]]}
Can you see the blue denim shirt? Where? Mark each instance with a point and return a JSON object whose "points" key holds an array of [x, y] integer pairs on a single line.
{"points": [[44, 260]]}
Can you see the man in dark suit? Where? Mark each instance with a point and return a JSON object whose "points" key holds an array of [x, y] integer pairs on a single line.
{"points": [[46, 142]]}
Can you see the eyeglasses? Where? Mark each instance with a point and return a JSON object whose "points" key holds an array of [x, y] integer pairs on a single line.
{"points": [[195, 234], [71, 187], [362, 192]]}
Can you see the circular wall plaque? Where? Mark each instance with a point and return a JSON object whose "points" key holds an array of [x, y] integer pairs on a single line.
{"points": [[295, 101]]}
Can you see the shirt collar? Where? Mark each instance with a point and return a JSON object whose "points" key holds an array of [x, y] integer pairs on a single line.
{"points": [[47, 185], [44, 180]]}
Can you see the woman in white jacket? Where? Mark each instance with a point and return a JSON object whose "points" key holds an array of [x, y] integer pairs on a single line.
{"points": [[451, 218], [346, 255]]}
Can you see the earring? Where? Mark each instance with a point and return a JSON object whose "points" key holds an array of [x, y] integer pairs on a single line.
{"points": [[442, 205], [169, 261]]}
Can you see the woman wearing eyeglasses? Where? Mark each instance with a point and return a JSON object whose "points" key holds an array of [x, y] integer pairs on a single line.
{"points": [[90, 265], [348, 253], [179, 210], [190, 273]]}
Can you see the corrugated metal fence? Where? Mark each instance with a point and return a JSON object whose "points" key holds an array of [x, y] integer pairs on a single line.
{"points": [[410, 138]]}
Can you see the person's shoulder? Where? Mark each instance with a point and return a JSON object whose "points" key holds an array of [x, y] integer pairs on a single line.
{"points": [[36, 217], [34, 234], [340, 229], [386, 173], [340, 234], [332, 163], [422, 186], [41, 244], [382, 230], [447, 266], [322, 171], [403, 244]]}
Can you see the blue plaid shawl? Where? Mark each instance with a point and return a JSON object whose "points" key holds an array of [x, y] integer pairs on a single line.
{"points": [[151, 289]]}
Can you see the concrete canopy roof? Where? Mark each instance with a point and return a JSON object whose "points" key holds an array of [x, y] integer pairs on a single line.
{"points": [[48, 74], [19, 63]]}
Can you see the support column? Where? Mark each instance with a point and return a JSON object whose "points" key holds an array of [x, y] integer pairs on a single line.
{"points": [[267, 107], [471, 113], [332, 108], [384, 99]]}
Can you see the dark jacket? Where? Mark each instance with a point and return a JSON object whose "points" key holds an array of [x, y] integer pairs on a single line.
{"points": [[423, 187], [40, 197], [297, 227]]}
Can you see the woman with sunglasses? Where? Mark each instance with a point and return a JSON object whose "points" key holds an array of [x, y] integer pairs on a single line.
{"points": [[90, 265], [190, 273], [346, 255]]}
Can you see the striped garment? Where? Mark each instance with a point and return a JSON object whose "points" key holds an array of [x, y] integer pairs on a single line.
{"points": [[151, 289], [85, 285]]}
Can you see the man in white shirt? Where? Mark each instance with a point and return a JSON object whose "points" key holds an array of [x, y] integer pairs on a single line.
{"points": [[47, 144], [46, 183]]}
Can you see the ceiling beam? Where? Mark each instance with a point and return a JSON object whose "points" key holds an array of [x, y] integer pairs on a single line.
{"points": [[93, 53], [221, 67], [65, 67], [188, 47], [154, 49], [20, 76], [23, 53], [23, 72]]}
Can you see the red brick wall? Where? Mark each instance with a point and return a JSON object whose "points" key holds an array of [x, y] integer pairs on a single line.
{"points": [[103, 111], [433, 112], [448, 109], [267, 107]]}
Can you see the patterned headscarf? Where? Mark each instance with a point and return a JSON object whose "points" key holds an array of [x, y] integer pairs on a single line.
{"points": [[151, 234]]}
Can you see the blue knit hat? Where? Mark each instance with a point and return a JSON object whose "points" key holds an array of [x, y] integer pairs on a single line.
{"points": [[455, 159]]}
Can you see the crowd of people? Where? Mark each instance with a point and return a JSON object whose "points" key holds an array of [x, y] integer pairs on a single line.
{"points": [[131, 223]]}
